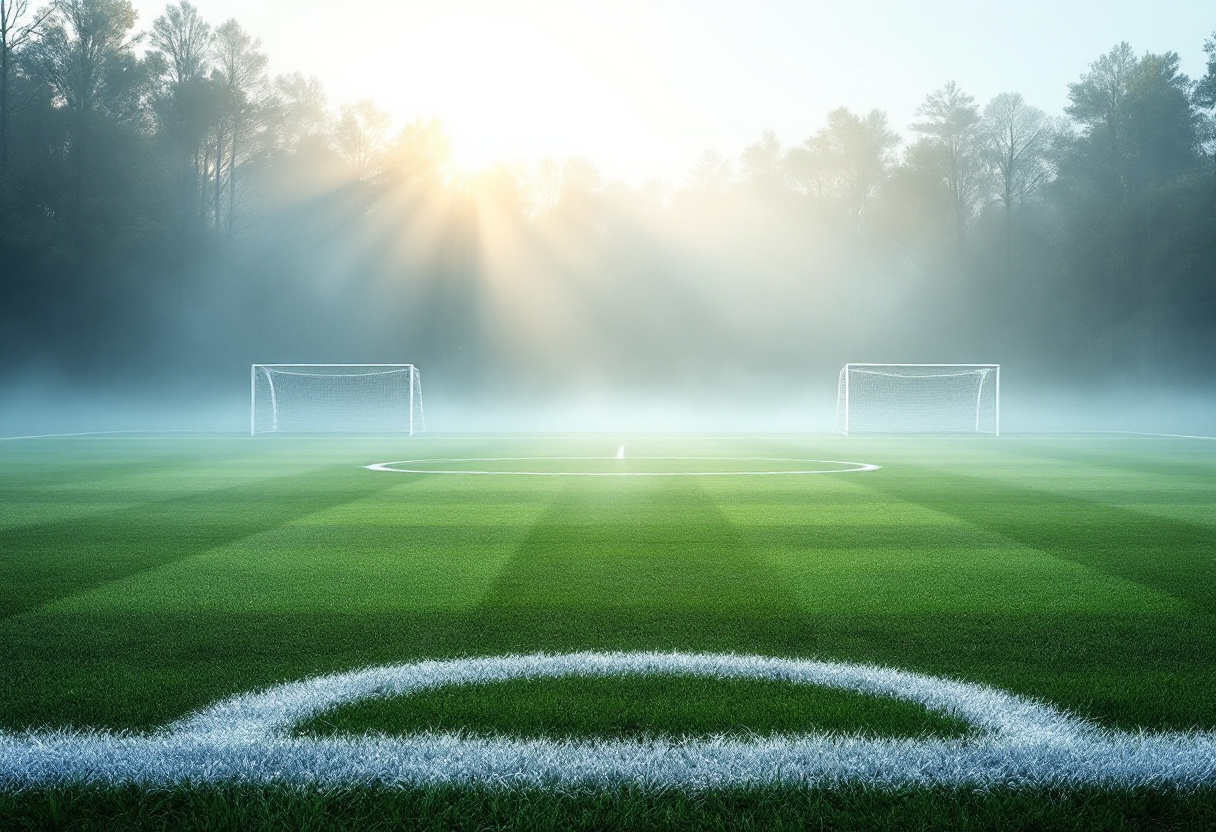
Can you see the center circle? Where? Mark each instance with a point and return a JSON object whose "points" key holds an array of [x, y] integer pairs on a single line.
{"points": [[636, 466]]}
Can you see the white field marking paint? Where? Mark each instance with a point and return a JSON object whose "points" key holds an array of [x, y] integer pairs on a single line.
{"points": [[394, 467], [1019, 743], [64, 435], [109, 433], [1155, 435]]}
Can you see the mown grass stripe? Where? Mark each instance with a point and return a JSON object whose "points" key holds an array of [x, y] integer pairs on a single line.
{"points": [[1194, 469], [38, 499], [1167, 555], [648, 543], [51, 561]]}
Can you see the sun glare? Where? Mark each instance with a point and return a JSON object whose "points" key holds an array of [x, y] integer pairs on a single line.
{"points": [[502, 92], [515, 88]]}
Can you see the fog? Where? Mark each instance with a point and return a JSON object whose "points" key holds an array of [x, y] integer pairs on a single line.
{"points": [[190, 216]]}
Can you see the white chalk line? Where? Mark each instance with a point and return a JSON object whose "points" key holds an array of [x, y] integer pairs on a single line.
{"points": [[148, 432], [247, 739], [1155, 435], [393, 467]]}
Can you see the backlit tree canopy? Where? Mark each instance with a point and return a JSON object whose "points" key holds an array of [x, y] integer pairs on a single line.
{"points": [[162, 196]]}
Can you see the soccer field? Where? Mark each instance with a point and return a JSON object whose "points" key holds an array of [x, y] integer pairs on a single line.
{"points": [[144, 578]]}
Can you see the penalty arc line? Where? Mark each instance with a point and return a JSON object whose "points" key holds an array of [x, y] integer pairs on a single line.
{"points": [[1021, 742], [855, 467]]}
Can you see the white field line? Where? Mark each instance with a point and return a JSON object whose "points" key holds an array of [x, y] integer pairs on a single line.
{"points": [[1156, 435], [63, 435], [109, 433], [247, 739], [392, 466]]}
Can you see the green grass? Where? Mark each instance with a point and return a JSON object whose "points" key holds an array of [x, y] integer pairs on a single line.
{"points": [[634, 707], [142, 577], [240, 808]]}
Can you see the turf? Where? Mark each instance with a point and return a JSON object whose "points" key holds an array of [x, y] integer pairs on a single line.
{"points": [[240, 808], [143, 577], [637, 708]]}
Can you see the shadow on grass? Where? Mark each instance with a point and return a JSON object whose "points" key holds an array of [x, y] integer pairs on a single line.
{"points": [[847, 808]]}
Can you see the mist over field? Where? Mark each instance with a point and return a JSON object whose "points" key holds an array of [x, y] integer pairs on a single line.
{"points": [[171, 211]]}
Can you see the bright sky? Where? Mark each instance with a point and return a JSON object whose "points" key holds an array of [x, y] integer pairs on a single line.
{"points": [[643, 87]]}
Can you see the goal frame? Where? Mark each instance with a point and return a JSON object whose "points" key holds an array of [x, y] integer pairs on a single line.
{"points": [[996, 368], [415, 426]]}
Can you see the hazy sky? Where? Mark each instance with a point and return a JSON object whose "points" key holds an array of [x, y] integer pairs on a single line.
{"points": [[642, 87]]}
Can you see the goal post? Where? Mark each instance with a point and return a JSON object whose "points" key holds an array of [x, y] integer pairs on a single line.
{"points": [[384, 398], [919, 398]]}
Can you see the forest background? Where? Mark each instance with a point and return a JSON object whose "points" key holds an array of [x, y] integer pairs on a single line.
{"points": [[170, 213]]}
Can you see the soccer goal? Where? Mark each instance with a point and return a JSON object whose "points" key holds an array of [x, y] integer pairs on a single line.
{"points": [[919, 398], [335, 397]]}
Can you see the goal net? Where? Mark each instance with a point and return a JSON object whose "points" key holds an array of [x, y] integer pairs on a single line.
{"points": [[920, 398], [335, 397]]}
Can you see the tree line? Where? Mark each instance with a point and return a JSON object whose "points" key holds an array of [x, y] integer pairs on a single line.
{"points": [[164, 199]]}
